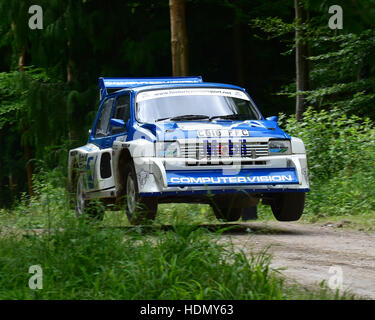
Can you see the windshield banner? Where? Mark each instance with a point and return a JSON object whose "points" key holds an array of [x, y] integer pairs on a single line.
{"points": [[153, 94], [271, 176]]}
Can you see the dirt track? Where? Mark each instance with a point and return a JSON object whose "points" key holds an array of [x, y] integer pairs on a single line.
{"points": [[308, 251]]}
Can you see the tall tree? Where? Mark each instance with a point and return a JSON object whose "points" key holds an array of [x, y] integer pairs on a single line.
{"points": [[302, 64], [179, 40], [20, 39]]}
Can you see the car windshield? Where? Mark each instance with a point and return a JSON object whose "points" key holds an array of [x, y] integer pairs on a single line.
{"points": [[194, 104]]}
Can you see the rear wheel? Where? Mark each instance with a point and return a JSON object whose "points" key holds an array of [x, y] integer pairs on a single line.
{"points": [[93, 209], [249, 213], [288, 206], [138, 209], [226, 212]]}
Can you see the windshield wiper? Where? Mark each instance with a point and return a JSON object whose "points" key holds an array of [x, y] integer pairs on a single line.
{"points": [[190, 117], [232, 116], [185, 117], [161, 119]]}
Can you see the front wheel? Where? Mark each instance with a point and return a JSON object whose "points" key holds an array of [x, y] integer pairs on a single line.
{"points": [[288, 206], [138, 210]]}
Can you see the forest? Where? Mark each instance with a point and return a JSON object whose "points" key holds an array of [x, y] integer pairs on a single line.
{"points": [[48, 79], [318, 80]]}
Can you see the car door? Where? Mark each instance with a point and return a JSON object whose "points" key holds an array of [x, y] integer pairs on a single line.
{"points": [[99, 164], [101, 138], [101, 135], [121, 112]]}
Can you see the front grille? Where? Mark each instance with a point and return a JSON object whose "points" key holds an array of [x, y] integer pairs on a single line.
{"points": [[226, 149]]}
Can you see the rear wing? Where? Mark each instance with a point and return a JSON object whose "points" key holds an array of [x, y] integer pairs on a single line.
{"points": [[122, 83]]}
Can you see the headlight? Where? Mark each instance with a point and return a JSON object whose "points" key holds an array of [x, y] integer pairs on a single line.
{"points": [[167, 149], [279, 147]]}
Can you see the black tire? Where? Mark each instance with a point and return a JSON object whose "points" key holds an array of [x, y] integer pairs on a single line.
{"points": [[226, 213], [92, 209], [249, 213], [139, 210], [288, 206]]}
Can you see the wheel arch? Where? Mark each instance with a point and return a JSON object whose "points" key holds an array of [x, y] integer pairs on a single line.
{"points": [[123, 158]]}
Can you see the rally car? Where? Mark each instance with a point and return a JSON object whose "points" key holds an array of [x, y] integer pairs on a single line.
{"points": [[179, 139]]}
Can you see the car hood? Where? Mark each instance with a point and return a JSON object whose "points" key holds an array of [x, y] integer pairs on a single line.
{"points": [[167, 131]]}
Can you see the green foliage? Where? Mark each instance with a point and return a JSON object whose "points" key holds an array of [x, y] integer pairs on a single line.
{"points": [[80, 260], [32, 105], [334, 141], [340, 152], [273, 26], [343, 73], [83, 260], [45, 209]]}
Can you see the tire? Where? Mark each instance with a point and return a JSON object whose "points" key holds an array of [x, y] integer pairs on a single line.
{"points": [[138, 210], [93, 209], [226, 213], [288, 206], [249, 213]]}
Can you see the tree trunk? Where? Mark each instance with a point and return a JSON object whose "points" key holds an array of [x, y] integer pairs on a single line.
{"points": [[29, 167], [179, 41], [69, 65], [302, 64], [21, 60], [26, 148]]}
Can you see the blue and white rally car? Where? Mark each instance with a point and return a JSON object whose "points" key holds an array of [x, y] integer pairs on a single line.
{"points": [[179, 139]]}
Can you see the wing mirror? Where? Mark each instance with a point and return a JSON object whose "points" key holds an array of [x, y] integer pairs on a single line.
{"points": [[118, 123], [117, 126], [273, 118]]}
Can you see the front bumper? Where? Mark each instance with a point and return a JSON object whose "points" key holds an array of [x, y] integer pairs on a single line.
{"points": [[177, 177]]}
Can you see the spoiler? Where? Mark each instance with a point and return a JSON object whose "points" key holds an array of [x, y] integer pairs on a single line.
{"points": [[122, 83]]}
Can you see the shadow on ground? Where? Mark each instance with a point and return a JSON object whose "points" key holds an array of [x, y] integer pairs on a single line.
{"points": [[258, 228]]}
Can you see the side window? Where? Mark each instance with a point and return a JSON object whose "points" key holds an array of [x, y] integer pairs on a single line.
{"points": [[103, 121], [122, 111]]}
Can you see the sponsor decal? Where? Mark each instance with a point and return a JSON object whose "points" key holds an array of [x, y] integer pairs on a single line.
{"points": [[142, 178], [90, 174], [233, 180], [271, 176], [86, 148], [143, 96]]}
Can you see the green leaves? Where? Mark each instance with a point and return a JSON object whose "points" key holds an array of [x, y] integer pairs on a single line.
{"points": [[334, 141]]}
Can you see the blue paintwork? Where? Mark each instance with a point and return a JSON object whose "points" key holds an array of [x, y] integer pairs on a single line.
{"points": [[273, 118], [245, 177], [167, 130], [121, 83], [171, 130]]}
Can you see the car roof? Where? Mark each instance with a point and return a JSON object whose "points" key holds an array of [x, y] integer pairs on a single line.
{"points": [[138, 88]]}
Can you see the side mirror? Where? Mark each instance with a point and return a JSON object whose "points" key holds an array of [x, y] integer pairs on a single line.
{"points": [[118, 123], [273, 118], [117, 126]]}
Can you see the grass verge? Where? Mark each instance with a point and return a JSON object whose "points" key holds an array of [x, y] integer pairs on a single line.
{"points": [[82, 260]]}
